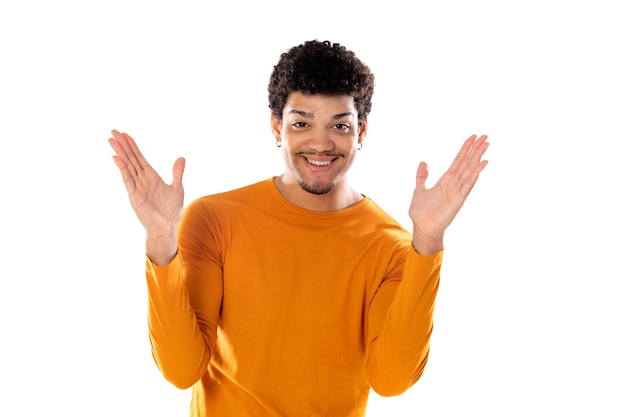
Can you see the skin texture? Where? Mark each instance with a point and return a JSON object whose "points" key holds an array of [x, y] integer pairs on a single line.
{"points": [[316, 130]]}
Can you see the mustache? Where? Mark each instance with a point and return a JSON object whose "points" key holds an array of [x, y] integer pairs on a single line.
{"points": [[326, 154]]}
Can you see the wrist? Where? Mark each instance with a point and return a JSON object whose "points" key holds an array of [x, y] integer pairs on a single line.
{"points": [[427, 246], [161, 249]]}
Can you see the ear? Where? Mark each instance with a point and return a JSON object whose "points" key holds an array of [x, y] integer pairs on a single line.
{"points": [[276, 126], [362, 130]]}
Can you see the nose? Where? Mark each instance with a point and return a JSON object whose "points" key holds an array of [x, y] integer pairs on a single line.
{"points": [[321, 141]]}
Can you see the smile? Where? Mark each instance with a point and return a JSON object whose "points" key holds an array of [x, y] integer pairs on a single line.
{"points": [[318, 163]]}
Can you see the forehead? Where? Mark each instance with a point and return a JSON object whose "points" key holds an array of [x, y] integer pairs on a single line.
{"points": [[319, 105]]}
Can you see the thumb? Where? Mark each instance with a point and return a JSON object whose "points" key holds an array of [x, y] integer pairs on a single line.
{"points": [[422, 176], [177, 172]]}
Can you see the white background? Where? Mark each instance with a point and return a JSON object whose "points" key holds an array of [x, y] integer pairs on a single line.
{"points": [[530, 314]]}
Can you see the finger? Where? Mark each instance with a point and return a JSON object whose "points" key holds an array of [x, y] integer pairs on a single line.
{"points": [[469, 155], [115, 144], [121, 147], [123, 163], [477, 149], [129, 181], [130, 153], [141, 161], [475, 165], [421, 176], [472, 165], [468, 184], [459, 160], [177, 172]]}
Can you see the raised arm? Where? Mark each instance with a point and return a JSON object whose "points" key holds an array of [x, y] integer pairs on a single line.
{"points": [[158, 205], [181, 337], [400, 318]]}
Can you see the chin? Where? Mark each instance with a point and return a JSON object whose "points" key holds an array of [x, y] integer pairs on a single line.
{"points": [[317, 188]]}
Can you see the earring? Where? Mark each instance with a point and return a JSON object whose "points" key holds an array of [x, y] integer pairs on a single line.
{"points": [[279, 143], [358, 148]]}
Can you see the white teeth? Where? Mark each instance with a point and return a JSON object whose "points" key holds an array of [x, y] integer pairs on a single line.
{"points": [[319, 163]]}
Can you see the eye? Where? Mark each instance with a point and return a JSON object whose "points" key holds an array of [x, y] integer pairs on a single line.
{"points": [[299, 124], [342, 126]]}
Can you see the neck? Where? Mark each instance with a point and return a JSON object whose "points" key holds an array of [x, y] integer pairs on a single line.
{"points": [[338, 198]]}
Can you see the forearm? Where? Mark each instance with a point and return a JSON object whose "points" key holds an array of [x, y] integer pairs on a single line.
{"points": [[400, 341], [178, 347]]}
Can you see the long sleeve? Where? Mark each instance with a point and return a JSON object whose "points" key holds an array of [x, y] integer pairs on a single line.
{"points": [[184, 300], [400, 322]]}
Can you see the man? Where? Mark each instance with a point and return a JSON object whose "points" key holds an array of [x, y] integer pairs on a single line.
{"points": [[295, 295]]}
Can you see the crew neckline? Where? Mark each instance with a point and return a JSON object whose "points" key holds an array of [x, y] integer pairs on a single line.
{"points": [[364, 202]]}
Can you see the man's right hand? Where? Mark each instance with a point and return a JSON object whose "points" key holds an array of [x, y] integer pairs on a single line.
{"points": [[158, 205]]}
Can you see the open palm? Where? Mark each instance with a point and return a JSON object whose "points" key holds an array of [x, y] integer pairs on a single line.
{"points": [[433, 209], [158, 205]]}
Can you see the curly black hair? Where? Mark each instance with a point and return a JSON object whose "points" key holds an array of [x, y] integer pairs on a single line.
{"points": [[316, 67]]}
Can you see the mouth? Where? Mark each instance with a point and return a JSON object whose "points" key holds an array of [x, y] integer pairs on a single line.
{"points": [[318, 163], [319, 160]]}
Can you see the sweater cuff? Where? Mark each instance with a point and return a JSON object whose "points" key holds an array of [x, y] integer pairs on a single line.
{"points": [[162, 274]]}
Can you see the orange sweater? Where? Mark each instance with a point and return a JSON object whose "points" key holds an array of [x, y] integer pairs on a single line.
{"points": [[269, 309]]}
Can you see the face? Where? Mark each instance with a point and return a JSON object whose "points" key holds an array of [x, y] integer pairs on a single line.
{"points": [[319, 136]]}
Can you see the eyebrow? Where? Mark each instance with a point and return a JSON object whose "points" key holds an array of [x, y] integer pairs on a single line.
{"points": [[311, 116]]}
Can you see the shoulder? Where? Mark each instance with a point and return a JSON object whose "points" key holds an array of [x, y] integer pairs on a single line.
{"points": [[238, 196], [368, 221], [222, 211], [377, 215]]}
